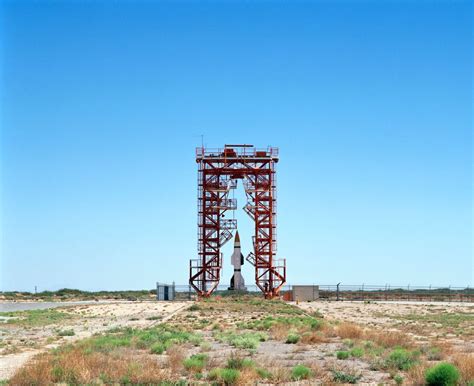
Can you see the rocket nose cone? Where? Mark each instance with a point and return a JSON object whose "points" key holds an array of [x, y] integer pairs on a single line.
{"points": [[237, 237]]}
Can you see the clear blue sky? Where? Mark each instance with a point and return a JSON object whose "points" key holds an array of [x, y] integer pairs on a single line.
{"points": [[103, 104]]}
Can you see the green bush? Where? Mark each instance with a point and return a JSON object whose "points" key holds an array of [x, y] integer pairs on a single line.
{"points": [[264, 374], [239, 363], [342, 354], [66, 333], [292, 338], [398, 379], [245, 342], [205, 346], [300, 372], [157, 348], [401, 359], [196, 339], [339, 376], [357, 352], [155, 317], [195, 362], [229, 376], [214, 374], [443, 374], [194, 307]]}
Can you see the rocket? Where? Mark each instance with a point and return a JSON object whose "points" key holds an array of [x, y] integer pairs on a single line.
{"points": [[237, 259]]}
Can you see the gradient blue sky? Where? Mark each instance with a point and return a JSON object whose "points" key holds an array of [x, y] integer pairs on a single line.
{"points": [[103, 104]]}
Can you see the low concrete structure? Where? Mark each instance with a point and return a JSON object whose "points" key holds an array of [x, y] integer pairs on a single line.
{"points": [[304, 293]]}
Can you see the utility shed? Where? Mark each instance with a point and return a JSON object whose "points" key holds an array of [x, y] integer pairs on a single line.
{"points": [[165, 291], [304, 293]]}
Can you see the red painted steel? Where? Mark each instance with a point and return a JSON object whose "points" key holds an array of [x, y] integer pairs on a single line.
{"points": [[219, 170]]}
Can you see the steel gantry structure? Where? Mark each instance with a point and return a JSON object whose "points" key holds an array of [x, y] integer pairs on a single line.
{"points": [[219, 170]]}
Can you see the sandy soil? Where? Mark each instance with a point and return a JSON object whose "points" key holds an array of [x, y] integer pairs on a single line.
{"points": [[21, 343], [423, 321], [273, 354], [410, 317]]}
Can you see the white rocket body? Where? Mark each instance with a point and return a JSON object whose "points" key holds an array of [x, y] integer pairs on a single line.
{"points": [[237, 259]]}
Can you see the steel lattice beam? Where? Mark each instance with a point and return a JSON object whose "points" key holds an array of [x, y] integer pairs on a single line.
{"points": [[218, 172]]}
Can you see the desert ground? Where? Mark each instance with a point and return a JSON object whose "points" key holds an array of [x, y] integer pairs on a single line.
{"points": [[237, 340], [27, 333]]}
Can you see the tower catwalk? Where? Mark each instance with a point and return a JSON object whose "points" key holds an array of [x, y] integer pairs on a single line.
{"points": [[219, 170]]}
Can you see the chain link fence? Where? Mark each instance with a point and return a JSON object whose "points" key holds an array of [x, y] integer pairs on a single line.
{"points": [[361, 292]]}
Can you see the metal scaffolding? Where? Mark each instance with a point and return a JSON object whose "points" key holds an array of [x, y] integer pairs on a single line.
{"points": [[219, 170]]}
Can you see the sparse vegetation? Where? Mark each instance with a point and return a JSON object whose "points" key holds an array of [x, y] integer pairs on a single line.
{"points": [[238, 325], [248, 340], [389, 339], [434, 354], [68, 294], [454, 321], [156, 339], [36, 318]]}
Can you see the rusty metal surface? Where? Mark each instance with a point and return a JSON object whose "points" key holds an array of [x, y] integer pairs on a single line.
{"points": [[218, 172]]}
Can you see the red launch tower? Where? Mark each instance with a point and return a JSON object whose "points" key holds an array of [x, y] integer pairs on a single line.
{"points": [[219, 170]]}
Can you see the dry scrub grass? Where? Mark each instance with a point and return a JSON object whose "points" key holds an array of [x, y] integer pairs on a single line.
{"points": [[319, 372], [384, 339], [279, 332], [175, 358], [247, 376], [416, 375], [349, 331], [389, 338], [280, 374], [465, 364], [75, 367], [313, 337]]}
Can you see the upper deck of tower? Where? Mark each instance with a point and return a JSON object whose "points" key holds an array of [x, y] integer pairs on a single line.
{"points": [[237, 152]]}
